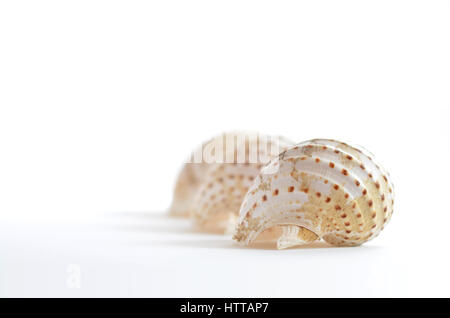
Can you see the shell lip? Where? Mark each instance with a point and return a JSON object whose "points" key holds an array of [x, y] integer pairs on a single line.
{"points": [[253, 235]]}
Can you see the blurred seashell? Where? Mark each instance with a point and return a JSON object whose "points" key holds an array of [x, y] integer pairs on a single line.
{"points": [[319, 189], [211, 187], [188, 182]]}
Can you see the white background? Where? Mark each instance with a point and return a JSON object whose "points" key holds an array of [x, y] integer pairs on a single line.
{"points": [[101, 101]]}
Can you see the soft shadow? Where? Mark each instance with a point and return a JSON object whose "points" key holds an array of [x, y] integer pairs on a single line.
{"points": [[227, 243], [318, 245], [207, 244], [146, 215], [149, 228], [144, 222], [148, 222], [151, 222]]}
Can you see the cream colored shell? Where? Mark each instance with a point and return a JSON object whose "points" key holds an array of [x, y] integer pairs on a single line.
{"points": [[216, 206], [319, 189], [188, 182], [211, 192]]}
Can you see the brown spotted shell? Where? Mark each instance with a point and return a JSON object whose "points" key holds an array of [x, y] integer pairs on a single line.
{"points": [[211, 191], [327, 189]]}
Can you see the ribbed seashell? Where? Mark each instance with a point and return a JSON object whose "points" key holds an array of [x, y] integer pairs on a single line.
{"points": [[211, 191], [318, 189]]}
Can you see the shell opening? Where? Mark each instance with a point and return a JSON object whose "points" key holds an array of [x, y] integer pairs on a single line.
{"points": [[294, 235], [286, 236]]}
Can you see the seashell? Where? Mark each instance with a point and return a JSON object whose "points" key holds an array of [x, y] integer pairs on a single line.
{"points": [[318, 189], [188, 182], [211, 189]]}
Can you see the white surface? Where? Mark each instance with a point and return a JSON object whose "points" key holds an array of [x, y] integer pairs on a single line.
{"points": [[147, 254], [101, 101]]}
